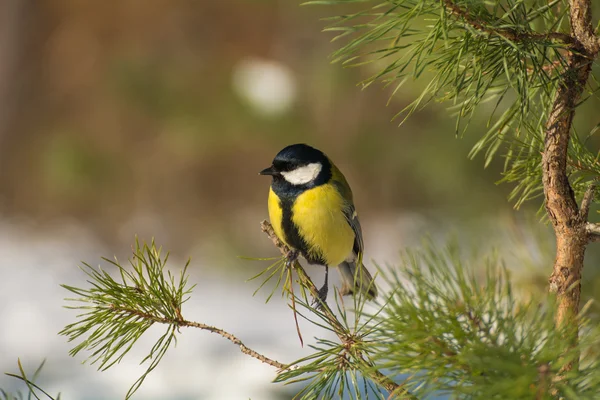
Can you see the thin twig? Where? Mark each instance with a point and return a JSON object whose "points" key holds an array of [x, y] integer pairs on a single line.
{"points": [[376, 375], [548, 67], [579, 166], [587, 201], [185, 323], [243, 348]]}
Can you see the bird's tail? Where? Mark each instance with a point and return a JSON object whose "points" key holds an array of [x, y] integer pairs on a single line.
{"points": [[356, 280]]}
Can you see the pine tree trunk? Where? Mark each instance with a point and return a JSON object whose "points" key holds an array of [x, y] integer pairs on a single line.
{"points": [[568, 221]]}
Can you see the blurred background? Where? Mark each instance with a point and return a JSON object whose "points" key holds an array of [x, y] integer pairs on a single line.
{"points": [[153, 118]]}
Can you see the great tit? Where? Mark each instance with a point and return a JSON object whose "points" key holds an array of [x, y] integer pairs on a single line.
{"points": [[311, 210]]}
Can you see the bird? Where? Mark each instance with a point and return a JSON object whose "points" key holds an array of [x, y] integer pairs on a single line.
{"points": [[312, 211]]}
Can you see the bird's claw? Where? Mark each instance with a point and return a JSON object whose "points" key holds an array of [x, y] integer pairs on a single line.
{"points": [[319, 301], [291, 258], [321, 297]]}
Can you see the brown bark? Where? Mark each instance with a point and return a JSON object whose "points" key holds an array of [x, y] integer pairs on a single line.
{"points": [[568, 222]]}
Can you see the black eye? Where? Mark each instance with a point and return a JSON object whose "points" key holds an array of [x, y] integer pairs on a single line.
{"points": [[284, 166], [278, 165]]}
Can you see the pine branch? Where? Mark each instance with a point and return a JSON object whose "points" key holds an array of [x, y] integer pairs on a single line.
{"points": [[508, 33], [537, 77], [456, 326], [117, 313], [394, 388]]}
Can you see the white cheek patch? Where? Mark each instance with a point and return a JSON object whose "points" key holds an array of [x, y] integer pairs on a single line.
{"points": [[303, 175]]}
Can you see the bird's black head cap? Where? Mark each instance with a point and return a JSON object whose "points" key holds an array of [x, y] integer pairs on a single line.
{"points": [[294, 157], [297, 155]]}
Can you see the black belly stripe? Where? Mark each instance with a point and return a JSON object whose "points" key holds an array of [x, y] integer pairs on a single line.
{"points": [[292, 234]]}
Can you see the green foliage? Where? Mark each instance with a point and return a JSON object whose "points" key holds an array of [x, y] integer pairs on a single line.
{"points": [[116, 313], [276, 270], [503, 57], [340, 368], [33, 389], [445, 330], [441, 329], [471, 50], [474, 338]]}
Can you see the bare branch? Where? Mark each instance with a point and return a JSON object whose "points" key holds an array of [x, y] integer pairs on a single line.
{"points": [[588, 197], [243, 348], [181, 322], [581, 26]]}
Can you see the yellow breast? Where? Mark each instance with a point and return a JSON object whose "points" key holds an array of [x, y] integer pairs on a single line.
{"points": [[276, 215], [321, 222]]}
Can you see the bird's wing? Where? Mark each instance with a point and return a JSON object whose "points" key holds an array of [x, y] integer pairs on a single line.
{"points": [[352, 218], [343, 187]]}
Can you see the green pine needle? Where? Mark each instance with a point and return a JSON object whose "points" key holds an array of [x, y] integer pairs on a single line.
{"points": [[472, 52], [457, 332], [32, 387], [116, 313]]}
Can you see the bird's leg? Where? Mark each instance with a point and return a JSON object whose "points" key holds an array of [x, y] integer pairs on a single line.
{"points": [[322, 292], [291, 258]]}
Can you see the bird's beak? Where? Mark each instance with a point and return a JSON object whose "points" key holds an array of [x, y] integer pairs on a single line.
{"points": [[269, 171]]}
